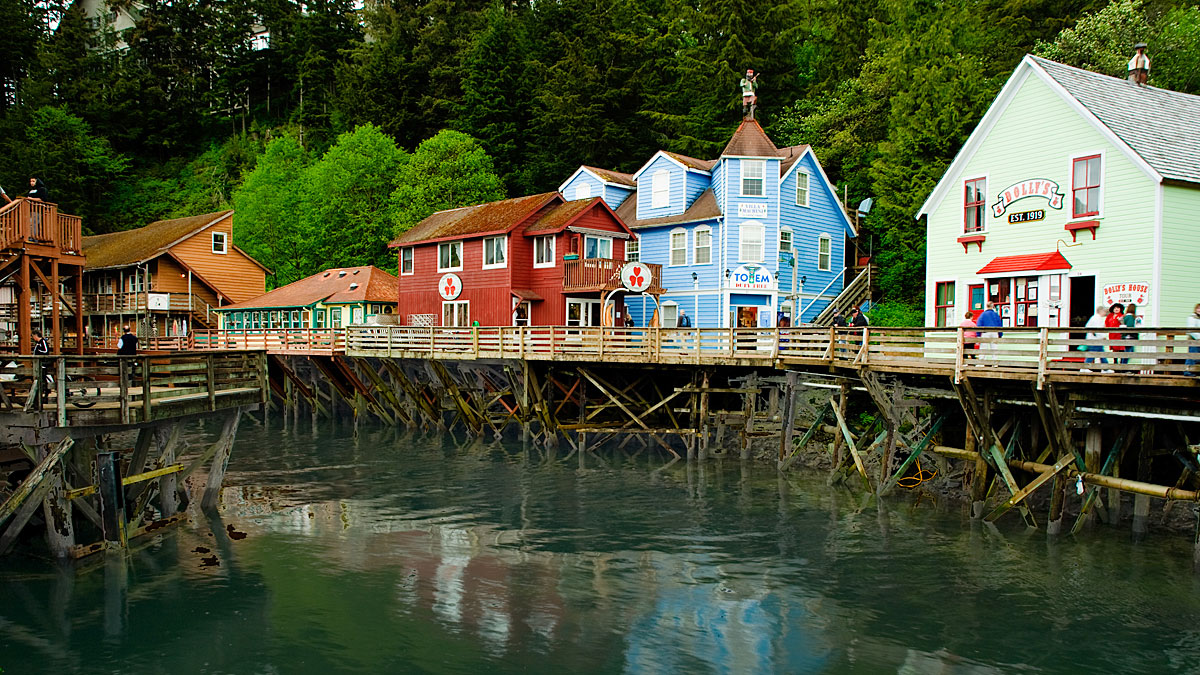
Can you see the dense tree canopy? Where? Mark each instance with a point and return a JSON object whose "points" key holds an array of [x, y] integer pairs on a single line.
{"points": [[303, 115]]}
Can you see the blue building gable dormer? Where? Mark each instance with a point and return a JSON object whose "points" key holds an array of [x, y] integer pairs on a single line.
{"points": [[613, 187], [743, 238]]}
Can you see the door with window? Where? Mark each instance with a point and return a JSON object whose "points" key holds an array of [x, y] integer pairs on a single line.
{"points": [[456, 313], [583, 313], [975, 299]]}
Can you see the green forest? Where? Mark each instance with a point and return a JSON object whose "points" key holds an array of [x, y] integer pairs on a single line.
{"points": [[332, 125]]}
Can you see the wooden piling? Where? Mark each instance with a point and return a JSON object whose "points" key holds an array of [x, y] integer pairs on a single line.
{"points": [[1141, 503], [220, 462], [57, 509]]}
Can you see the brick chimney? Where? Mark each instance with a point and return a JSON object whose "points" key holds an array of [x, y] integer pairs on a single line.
{"points": [[1139, 65]]}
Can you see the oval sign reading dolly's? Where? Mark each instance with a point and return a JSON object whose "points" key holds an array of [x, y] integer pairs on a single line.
{"points": [[450, 286], [636, 277]]}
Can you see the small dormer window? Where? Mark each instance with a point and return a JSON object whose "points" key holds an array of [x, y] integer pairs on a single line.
{"points": [[220, 242], [341, 273], [660, 189], [354, 285], [325, 275]]}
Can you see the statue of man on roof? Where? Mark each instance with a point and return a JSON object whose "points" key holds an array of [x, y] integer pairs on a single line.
{"points": [[749, 95]]}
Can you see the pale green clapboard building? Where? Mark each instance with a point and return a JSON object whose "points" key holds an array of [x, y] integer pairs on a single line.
{"points": [[1076, 189]]}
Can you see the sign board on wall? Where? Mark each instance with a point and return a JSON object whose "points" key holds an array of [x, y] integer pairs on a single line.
{"points": [[1126, 292], [752, 210], [636, 277], [1033, 187], [450, 286], [750, 278], [158, 301]]}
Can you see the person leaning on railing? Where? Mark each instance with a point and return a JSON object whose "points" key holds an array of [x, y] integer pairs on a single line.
{"points": [[1193, 322]]}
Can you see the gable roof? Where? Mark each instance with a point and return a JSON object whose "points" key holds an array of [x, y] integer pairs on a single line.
{"points": [[370, 284], [703, 208], [134, 247], [1157, 129], [616, 177], [480, 219], [1160, 125], [750, 141], [683, 161], [562, 216]]}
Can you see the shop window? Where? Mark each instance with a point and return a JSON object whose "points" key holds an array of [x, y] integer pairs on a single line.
{"points": [[335, 317], [1085, 186], [456, 313], [406, 260], [678, 247], [633, 250], [450, 256], [296, 318], [543, 251], [974, 205], [825, 253], [750, 242], [703, 252], [660, 189], [753, 172], [943, 303], [801, 189], [1026, 301], [999, 292], [495, 252], [320, 318]]}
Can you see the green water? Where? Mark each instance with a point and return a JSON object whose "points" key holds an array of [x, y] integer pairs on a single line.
{"points": [[401, 554]]}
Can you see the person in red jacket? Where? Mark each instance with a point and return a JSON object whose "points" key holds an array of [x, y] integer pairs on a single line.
{"points": [[1116, 314]]}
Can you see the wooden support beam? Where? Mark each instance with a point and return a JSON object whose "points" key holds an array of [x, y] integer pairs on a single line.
{"points": [[1034, 484], [216, 473], [1118, 448], [858, 462], [915, 452], [797, 447], [35, 478]]}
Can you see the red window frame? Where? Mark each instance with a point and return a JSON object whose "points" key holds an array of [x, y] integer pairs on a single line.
{"points": [[1090, 187], [943, 303], [974, 201]]}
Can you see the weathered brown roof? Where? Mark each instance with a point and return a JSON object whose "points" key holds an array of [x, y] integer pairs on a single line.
{"points": [[704, 208], [790, 155], [332, 285], [557, 218], [132, 247], [475, 220], [691, 162], [750, 141], [613, 176]]}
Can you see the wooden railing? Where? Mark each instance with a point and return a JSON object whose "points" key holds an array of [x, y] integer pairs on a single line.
{"points": [[34, 222], [1020, 353], [109, 389], [600, 274], [274, 340]]}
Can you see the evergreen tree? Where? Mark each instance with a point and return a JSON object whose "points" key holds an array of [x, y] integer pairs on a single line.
{"points": [[269, 206], [445, 172]]}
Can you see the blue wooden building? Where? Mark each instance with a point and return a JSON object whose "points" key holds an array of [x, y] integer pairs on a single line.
{"points": [[753, 234]]}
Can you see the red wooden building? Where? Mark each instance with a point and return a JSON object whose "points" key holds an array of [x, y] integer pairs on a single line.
{"points": [[536, 260]]}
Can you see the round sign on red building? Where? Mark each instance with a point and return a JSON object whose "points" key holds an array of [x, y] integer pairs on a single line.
{"points": [[450, 286], [636, 277]]}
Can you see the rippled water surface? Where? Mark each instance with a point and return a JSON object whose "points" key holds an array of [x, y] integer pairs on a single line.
{"points": [[405, 554]]}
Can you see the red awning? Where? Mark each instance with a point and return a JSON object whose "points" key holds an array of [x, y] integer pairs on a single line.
{"points": [[1032, 262], [526, 295]]}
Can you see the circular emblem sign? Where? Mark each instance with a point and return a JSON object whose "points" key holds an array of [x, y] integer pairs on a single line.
{"points": [[636, 277], [450, 286]]}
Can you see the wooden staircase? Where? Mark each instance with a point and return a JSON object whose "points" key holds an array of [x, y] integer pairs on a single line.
{"points": [[854, 294]]}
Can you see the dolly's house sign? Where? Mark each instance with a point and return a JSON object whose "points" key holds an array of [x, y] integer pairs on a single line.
{"points": [[1034, 187], [1126, 292], [450, 286]]}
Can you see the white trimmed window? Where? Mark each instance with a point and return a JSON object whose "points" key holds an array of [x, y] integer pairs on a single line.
{"points": [[750, 242], [495, 252], [597, 247], [633, 250], [220, 243], [670, 315], [825, 253], [703, 251], [406, 260], [543, 251], [678, 247], [785, 241], [583, 191], [801, 189], [450, 256], [456, 313], [660, 189], [753, 173]]}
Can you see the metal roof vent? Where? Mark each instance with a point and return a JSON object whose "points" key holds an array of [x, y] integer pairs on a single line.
{"points": [[357, 271], [354, 285], [325, 275], [341, 273]]}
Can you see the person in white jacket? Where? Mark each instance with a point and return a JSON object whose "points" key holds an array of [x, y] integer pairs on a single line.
{"points": [[1097, 321], [1193, 323]]}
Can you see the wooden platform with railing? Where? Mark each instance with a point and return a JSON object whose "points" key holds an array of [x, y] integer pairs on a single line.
{"points": [[596, 275], [110, 390], [29, 223]]}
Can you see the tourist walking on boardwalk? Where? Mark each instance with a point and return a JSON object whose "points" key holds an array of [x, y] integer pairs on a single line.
{"points": [[969, 335], [1098, 320], [989, 318], [1132, 321], [1115, 319], [1193, 322]]}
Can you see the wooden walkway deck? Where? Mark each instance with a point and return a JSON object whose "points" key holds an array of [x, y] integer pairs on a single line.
{"points": [[1039, 355]]}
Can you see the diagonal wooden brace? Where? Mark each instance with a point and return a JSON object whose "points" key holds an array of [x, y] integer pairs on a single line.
{"points": [[912, 457], [858, 462], [1033, 485], [1002, 467]]}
